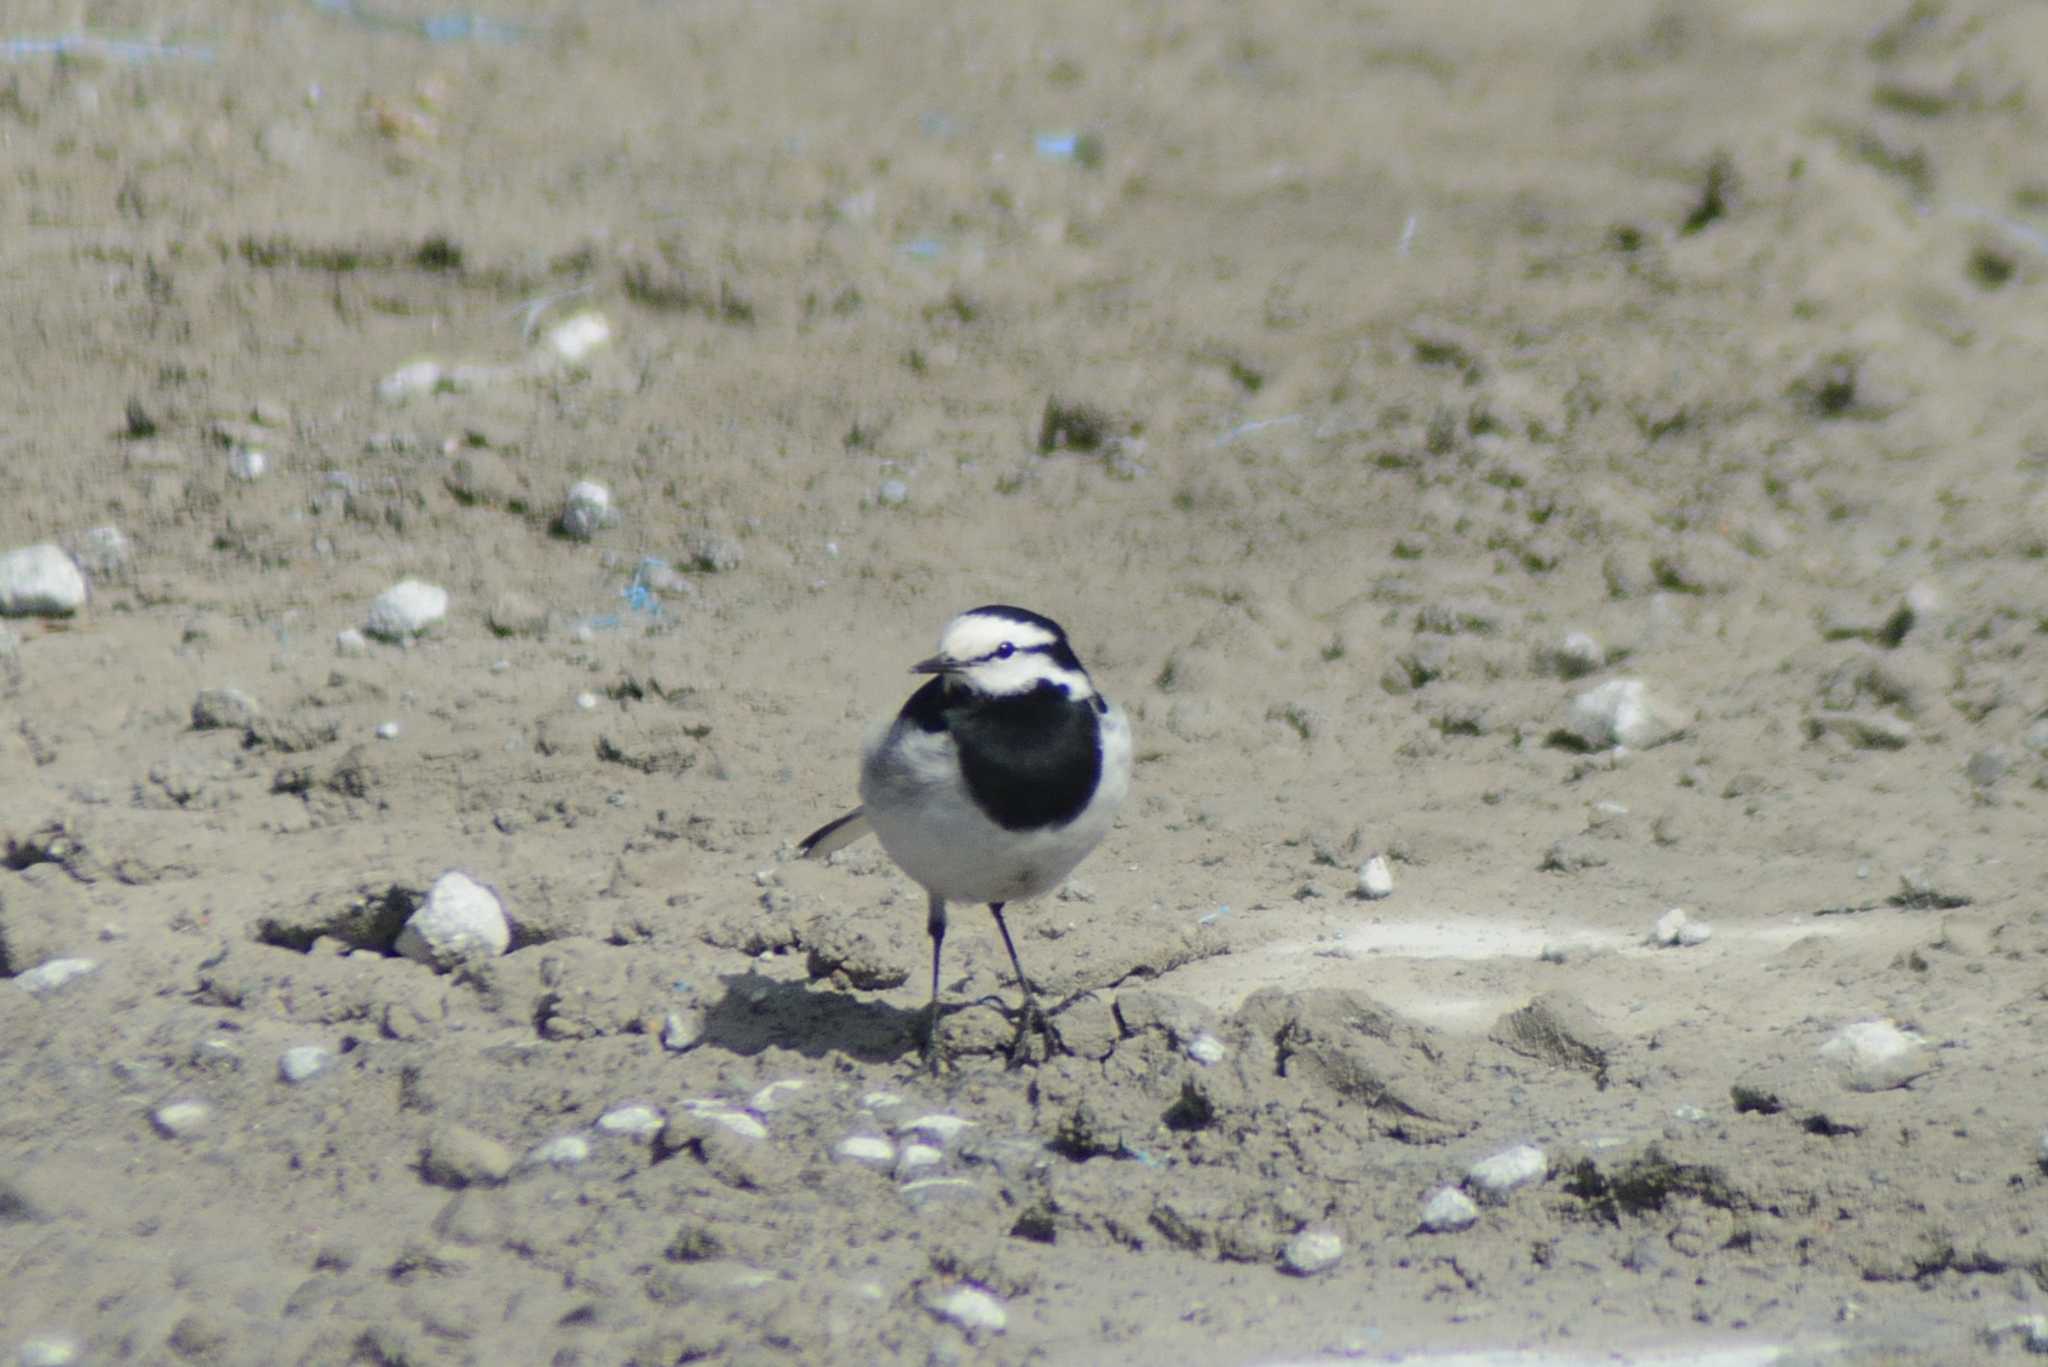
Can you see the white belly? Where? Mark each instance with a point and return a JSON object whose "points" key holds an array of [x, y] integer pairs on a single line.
{"points": [[919, 806]]}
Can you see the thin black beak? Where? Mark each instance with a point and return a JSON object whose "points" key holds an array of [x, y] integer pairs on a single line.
{"points": [[937, 664]]}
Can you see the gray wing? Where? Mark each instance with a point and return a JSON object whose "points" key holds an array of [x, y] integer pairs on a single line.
{"points": [[836, 835]]}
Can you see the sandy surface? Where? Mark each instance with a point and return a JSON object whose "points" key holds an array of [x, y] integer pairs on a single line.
{"points": [[1344, 362]]}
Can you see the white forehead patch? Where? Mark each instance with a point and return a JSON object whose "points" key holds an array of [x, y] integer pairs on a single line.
{"points": [[971, 636]]}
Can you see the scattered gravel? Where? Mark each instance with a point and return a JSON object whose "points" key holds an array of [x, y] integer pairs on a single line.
{"points": [[223, 708], [1312, 1251], [972, 1309], [53, 974], [460, 922], [1876, 1056], [1448, 1209], [406, 609], [636, 1122], [40, 581], [1621, 712], [181, 1119], [1495, 1177], [865, 1148], [587, 511], [1677, 927]]}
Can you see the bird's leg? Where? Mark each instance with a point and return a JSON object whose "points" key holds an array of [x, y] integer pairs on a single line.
{"points": [[1032, 1015], [935, 926]]}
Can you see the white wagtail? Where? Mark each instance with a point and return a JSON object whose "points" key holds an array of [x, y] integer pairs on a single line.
{"points": [[994, 781]]}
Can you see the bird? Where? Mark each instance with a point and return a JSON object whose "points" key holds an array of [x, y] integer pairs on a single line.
{"points": [[998, 776]]}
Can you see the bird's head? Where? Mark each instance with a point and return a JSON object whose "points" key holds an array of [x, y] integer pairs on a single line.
{"points": [[999, 651]]}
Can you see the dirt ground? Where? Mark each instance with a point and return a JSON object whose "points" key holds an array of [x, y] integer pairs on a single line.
{"points": [[1360, 385]]}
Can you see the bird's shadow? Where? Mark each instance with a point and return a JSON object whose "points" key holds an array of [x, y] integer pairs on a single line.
{"points": [[758, 1012]]}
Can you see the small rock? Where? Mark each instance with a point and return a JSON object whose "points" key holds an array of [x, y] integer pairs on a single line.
{"points": [[709, 551], [40, 581], [865, 1148], [1448, 1209], [1676, 927], [247, 464], [972, 1309], [406, 609], [1987, 767], [943, 1128], [574, 339], [219, 708], [387, 730], [916, 1157], [1621, 712], [1375, 879], [48, 1350], [682, 1031], [53, 974], [1493, 1178], [408, 382], [1207, 1050], [2030, 1330], [1876, 1056], [587, 511], [564, 1151], [304, 1061], [893, 493], [460, 922], [739, 1122], [181, 1119], [350, 642], [771, 1097], [637, 1123], [514, 614], [457, 1156], [1312, 1251], [1559, 1029]]}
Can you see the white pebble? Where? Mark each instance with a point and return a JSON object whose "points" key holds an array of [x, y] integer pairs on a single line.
{"points": [[387, 730], [1206, 1049], [574, 339], [915, 1157], [771, 1096], [875, 1101], [587, 701], [1500, 1174], [410, 381], [1620, 712], [638, 1123], [48, 1350], [894, 493], [40, 581], [406, 609], [1312, 1251], [740, 1123], [52, 974], [247, 465], [1375, 879], [944, 1128], [459, 922], [563, 1151], [682, 1030], [304, 1061], [866, 1148], [972, 1309], [1577, 654], [181, 1119], [349, 641], [587, 511], [1448, 1209], [1875, 1056], [1676, 927]]}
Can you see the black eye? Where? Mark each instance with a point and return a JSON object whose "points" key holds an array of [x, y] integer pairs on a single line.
{"points": [[1005, 651]]}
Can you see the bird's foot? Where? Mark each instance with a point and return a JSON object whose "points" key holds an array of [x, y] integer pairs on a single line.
{"points": [[1032, 1019]]}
